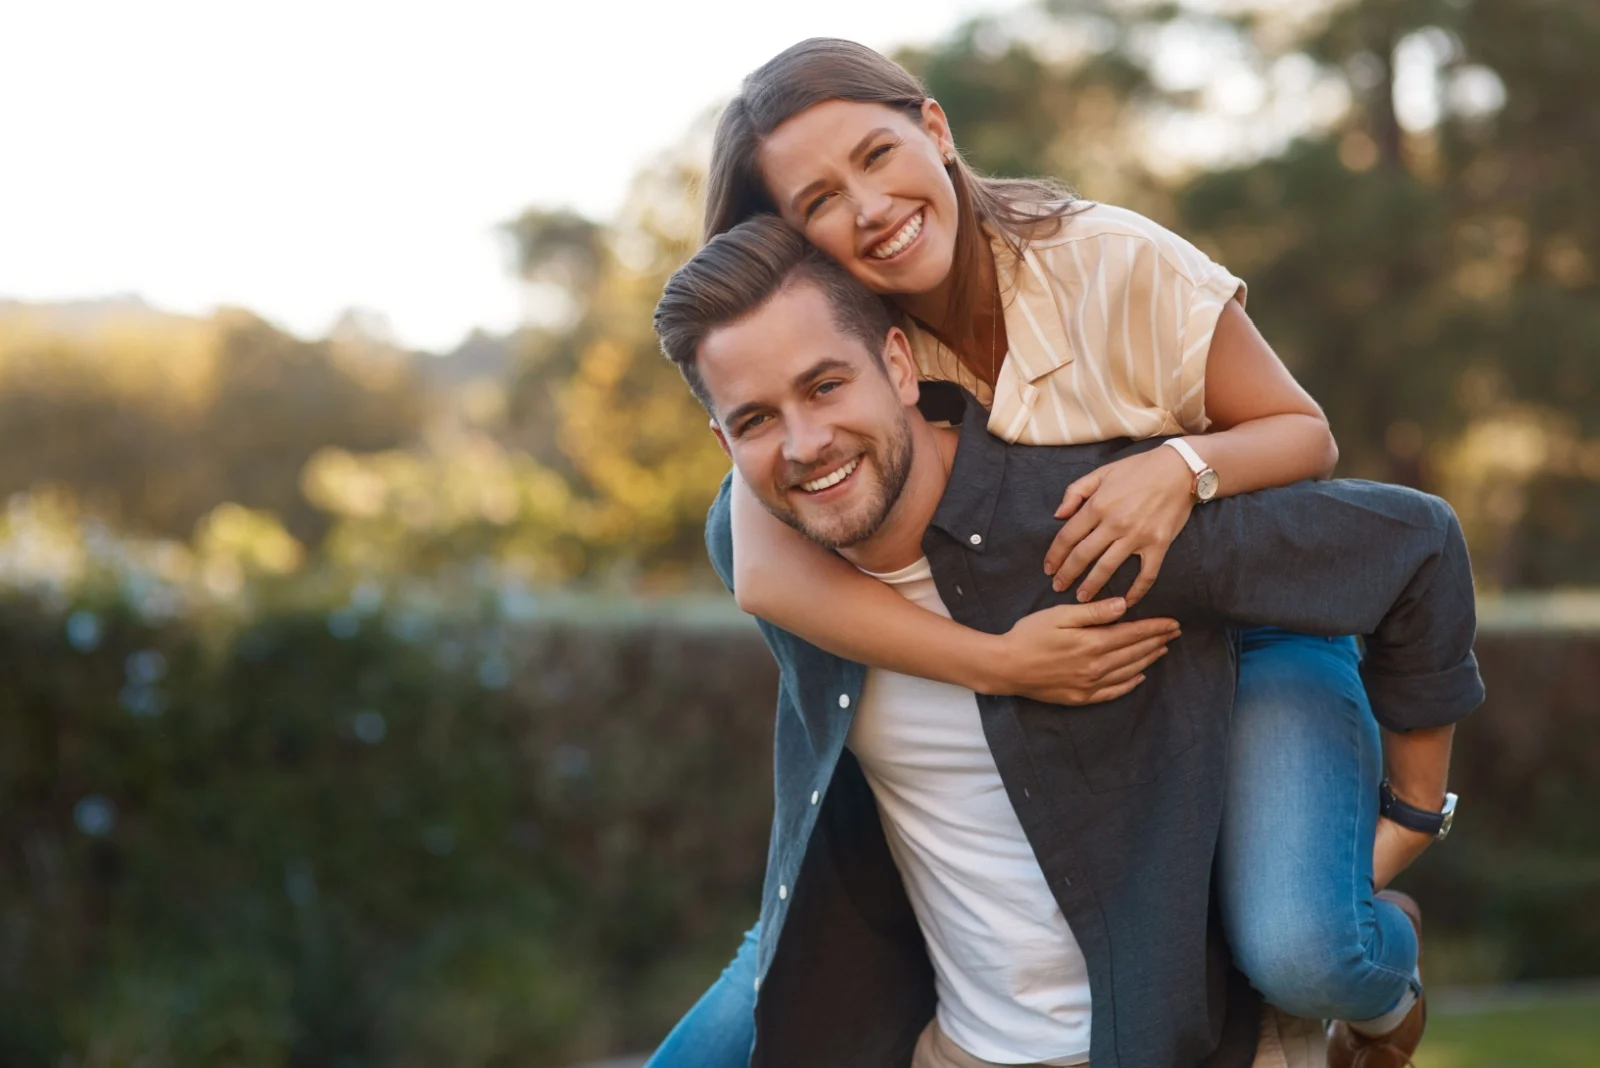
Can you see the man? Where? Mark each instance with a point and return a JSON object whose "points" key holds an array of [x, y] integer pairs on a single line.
{"points": [[1031, 861]]}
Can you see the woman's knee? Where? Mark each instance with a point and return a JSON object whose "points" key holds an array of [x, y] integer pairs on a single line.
{"points": [[1315, 970]]}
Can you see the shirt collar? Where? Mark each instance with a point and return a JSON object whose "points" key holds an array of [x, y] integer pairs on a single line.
{"points": [[1036, 343]]}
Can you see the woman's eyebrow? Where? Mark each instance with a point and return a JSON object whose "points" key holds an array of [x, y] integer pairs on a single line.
{"points": [[855, 154]]}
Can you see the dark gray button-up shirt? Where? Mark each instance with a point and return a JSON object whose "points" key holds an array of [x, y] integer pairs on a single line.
{"points": [[1121, 801]]}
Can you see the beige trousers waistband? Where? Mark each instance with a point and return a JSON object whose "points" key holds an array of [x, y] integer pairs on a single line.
{"points": [[935, 1050]]}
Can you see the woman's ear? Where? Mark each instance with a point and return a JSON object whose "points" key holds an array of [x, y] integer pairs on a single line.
{"points": [[938, 128]]}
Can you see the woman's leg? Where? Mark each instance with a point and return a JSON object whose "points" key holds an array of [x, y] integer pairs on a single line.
{"points": [[721, 1028], [1295, 858]]}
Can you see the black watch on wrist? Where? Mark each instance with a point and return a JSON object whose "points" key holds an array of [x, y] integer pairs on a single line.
{"points": [[1416, 819]]}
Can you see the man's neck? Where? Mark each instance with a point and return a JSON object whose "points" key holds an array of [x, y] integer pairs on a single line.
{"points": [[898, 542]]}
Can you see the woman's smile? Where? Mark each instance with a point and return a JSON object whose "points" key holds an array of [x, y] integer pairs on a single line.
{"points": [[900, 240]]}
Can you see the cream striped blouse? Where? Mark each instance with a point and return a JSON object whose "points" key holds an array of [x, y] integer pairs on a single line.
{"points": [[1109, 323]]}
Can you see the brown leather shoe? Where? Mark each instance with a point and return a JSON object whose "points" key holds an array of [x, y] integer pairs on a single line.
{"points": [[1349, 1048]]}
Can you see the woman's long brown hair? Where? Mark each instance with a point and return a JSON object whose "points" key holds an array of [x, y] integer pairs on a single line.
{"points": [[827, 68]]}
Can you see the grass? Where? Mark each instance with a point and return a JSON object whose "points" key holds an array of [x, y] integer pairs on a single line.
{"points": [[1557, 1034]]}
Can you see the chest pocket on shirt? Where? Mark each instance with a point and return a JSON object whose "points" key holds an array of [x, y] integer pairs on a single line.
{"points": [[1125, 742]]}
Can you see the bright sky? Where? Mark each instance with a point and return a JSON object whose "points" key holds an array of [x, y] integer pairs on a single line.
{"points": [[299, 158]]}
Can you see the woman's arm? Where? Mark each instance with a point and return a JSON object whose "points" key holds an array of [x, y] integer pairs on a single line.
{"points": [[1064, 655], [1265, 431]]}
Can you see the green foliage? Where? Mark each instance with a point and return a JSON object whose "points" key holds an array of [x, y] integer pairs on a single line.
{"points": [[374, 835]]}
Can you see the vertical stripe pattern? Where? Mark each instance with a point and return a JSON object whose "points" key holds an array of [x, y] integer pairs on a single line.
{"points": [[1109, 324]]}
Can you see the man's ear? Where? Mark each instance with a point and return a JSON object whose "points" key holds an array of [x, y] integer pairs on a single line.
{"points": [[900, 365], [722, 439]]}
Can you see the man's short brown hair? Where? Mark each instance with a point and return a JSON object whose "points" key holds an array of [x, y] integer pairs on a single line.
{"points": [[737, 272]]}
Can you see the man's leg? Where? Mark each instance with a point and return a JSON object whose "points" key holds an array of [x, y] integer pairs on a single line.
{"points": [[1295, 857], [721, 1028]]}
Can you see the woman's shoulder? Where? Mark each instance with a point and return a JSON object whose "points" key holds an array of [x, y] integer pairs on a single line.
{"points": [[1124, 237]]}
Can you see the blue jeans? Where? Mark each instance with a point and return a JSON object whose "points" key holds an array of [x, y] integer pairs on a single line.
{"points": [[1294, 861], [721, 1028]]}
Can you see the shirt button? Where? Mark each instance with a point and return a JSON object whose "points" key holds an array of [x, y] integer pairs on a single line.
{"points": [[783, 893], [758, 984], [844, 700], [959, 593], [816, 796], [976, 539]]}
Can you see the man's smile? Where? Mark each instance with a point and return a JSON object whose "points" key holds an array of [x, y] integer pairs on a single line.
{"points": [[832, 478]]}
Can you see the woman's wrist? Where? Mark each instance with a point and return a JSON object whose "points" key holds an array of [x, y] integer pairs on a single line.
{"points": [[986, 664]]}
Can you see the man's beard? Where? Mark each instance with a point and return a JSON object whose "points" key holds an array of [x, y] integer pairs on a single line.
{"points": [[834, 530]]}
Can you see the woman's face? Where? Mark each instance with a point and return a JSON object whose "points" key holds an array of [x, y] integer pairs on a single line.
{"points": [[866, 183]]}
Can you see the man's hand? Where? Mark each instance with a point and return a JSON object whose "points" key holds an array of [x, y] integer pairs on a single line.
{"points": [[1393, 851], [1417, 764], [1079, 654]]}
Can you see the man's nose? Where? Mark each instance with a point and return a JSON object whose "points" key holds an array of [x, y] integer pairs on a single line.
{"points": [[807, 441]]}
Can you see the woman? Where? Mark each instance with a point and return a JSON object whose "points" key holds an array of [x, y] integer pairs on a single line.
{"points": [[1079, 322]]}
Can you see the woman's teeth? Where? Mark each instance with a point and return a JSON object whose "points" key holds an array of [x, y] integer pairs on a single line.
{"points": [[838, 476], [896, 244]]}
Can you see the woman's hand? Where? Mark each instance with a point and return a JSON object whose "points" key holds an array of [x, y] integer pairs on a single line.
{"points": [[1133, 507], [1393, 851], [1078, 654]]}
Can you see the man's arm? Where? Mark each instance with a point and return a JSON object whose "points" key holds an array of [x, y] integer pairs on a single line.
{"points": [[1351, 557]]}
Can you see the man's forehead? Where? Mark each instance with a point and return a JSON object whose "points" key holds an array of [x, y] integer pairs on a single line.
{"points": [[765, 351]]}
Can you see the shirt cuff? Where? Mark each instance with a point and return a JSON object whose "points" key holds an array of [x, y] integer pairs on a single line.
{"points": [[1404, 703]]}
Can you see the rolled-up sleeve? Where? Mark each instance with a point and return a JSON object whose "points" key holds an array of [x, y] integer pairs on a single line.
{"points": [[1352, 557]]}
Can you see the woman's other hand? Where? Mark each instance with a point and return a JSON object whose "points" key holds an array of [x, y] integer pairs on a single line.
{"points": [[1078, 654], [1132, 507]]}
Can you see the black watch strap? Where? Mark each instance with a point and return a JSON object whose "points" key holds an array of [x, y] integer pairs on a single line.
{"points": [[1436, 824]]}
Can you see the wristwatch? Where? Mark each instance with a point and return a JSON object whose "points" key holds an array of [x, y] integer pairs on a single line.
{"points": [[1416, 819], [1205, 479]]}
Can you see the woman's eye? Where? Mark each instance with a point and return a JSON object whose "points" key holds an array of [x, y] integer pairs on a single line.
{"points": [[877, 154], [811, 208]]}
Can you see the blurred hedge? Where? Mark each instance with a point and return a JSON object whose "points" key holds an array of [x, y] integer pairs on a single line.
{"points": [[379, 837]]}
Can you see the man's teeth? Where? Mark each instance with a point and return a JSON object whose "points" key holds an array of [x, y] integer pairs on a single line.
{"points": [[908, 233], [818, 485]]}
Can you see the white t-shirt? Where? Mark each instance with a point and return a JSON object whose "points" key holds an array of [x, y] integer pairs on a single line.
{"points": [[1012, 983]]}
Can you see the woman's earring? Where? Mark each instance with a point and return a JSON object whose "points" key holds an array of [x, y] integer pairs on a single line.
{"points": [[949, 155]]}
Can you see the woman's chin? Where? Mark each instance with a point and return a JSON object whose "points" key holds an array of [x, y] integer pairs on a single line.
{"points": [[919, 274]]}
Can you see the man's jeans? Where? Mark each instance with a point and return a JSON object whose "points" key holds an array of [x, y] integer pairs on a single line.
{"points": [[1294, 861]]}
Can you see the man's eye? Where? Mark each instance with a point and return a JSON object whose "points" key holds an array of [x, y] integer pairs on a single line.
{"points": [[828, 387], [751, 423]]}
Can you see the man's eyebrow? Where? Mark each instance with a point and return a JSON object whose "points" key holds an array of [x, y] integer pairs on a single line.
{"points": [[855, 154], [732, 420], [818, 369]]}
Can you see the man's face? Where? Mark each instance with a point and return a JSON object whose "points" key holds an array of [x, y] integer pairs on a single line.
{"points": [[818, 429]]}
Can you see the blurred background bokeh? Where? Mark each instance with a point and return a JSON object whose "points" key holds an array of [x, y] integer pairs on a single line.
{"points": [[365, 696]]}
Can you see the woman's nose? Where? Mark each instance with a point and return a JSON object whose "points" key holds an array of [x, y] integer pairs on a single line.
{"points": [[872, 208]]}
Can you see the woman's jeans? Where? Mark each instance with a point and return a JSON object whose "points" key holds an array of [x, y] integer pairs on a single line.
{"points": [[1294, 862]]}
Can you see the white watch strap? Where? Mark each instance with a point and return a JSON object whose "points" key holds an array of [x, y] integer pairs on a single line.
{"points": [[1190, 457]]}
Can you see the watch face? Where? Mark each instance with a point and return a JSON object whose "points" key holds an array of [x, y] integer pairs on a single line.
{"points": [[1205, 485]]}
